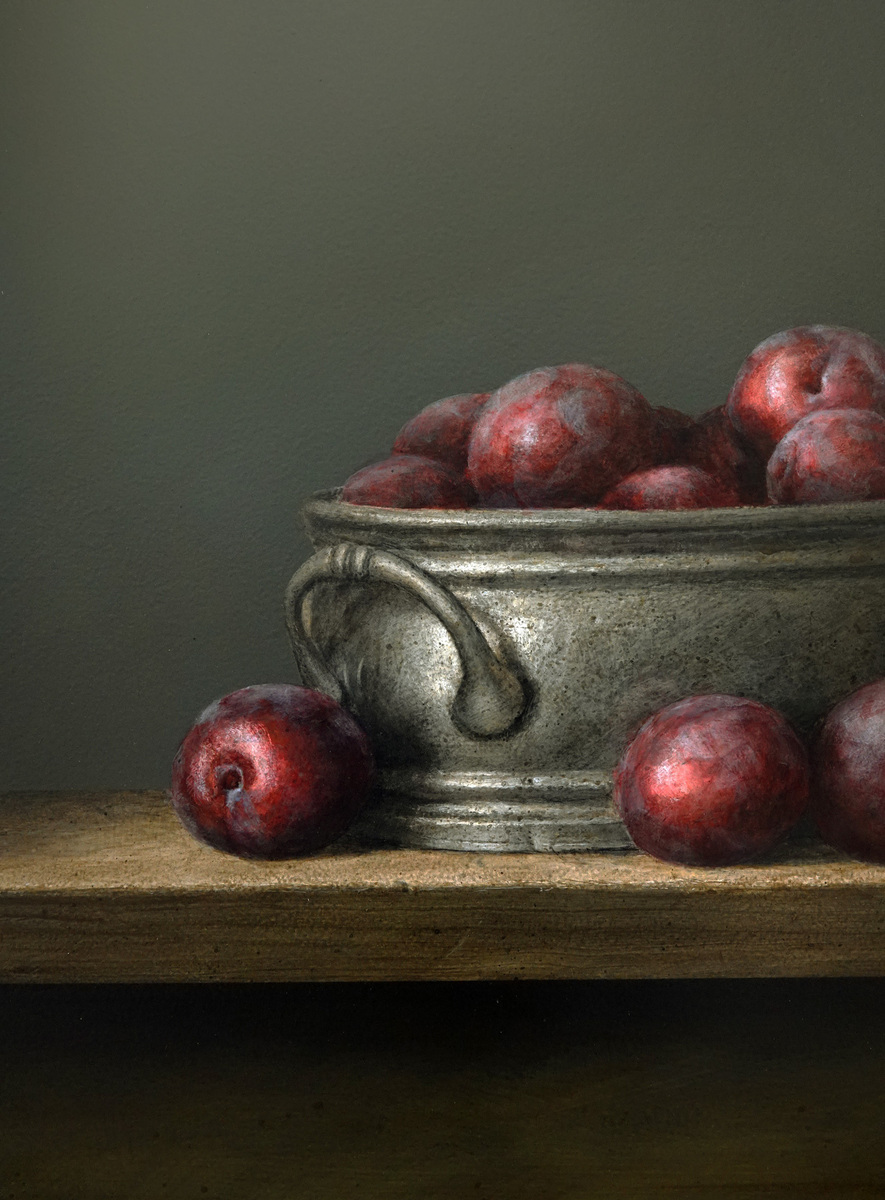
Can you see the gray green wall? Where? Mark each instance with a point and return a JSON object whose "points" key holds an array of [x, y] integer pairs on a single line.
{"points": [[244, 241]]}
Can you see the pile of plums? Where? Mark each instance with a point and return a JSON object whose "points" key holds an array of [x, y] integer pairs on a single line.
{"points": [[715, 780], [804, 423]]}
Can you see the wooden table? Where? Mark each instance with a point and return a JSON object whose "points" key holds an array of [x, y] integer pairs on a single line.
{"points": [[109, 888], [598, 1080]]}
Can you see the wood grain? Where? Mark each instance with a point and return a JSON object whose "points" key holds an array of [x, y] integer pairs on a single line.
{"points": [[109, 888]]}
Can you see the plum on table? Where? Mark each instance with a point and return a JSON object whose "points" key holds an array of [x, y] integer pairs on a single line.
{"points": [[712, 780], [271, 771]]}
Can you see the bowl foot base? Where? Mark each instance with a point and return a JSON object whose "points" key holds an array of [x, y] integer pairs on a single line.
{"points": [[479, 811]]}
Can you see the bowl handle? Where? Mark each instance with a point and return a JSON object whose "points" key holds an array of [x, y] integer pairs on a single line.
{"points": [[491, 696]]}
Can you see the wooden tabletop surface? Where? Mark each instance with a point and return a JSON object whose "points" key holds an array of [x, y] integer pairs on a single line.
{"points": [[107, 887]]}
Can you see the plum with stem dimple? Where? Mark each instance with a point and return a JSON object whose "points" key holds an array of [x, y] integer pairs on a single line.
{"points": [[801, 371], [272, 771]]}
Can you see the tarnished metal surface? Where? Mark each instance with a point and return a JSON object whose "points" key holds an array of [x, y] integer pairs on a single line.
{"points": [[501, 659]]}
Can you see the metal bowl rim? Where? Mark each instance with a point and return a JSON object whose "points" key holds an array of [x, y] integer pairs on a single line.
{"points": [[326, 507]]}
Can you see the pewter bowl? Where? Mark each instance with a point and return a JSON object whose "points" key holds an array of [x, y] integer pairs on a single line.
{"points": [[501, 659]]}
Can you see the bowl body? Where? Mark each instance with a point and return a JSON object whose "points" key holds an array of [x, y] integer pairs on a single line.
{"points": [[500, 660]]}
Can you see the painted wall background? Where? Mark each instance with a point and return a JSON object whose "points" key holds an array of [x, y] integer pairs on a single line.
{"points": [[242, 243]]}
